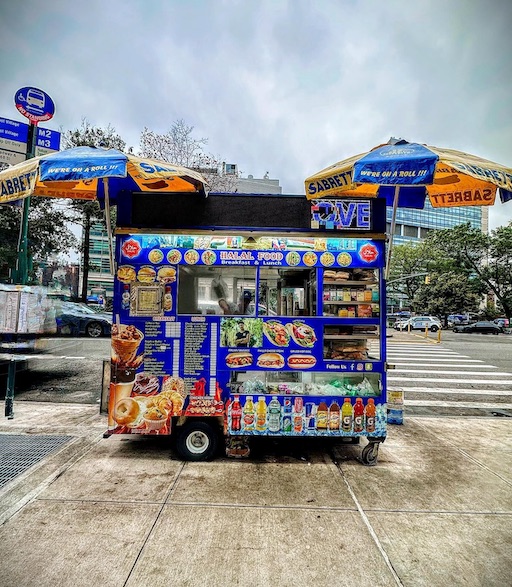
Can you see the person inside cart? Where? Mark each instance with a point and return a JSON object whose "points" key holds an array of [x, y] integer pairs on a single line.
{"points": [[226, 307], [243, 336], [245, 300]]}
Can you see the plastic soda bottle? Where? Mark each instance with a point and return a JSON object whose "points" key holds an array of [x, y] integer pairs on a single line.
{"points": [[125, 298], [369, 413], [322, 415], [274, 415], [334, 416], [236, 414], [261, 414], [359, 415], [346, 416], [249, 414]]}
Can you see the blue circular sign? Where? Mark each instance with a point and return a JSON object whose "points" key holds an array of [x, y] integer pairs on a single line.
{"points": [[35, 104]]}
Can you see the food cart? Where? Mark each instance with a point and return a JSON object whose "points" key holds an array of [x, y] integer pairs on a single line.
{"points": [[243, 315]]}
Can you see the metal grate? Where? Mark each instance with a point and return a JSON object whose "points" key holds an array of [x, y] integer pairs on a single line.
{"points": [[19, 452]]}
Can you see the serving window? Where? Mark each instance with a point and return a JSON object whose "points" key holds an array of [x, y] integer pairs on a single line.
{"points": [[216, 290], [287, 291]]}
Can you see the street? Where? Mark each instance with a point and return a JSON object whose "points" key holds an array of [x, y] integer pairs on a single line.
{"points": [[465, 375]]}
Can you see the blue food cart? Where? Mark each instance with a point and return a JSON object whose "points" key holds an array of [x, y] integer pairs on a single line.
{"points": [[243, 315]]}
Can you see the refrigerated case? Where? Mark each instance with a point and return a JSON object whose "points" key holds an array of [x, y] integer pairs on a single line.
{"points": [[270, 332]]}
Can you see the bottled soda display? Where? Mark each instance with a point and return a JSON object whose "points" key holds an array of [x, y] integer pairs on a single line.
{"points": [[274, 415], [370, 415], [167, 299], [334, 416], [298, 415], [249, 414], [347, 416], [322, 415], [261, 415], [125, 298], [359, 415], [236, 414]]}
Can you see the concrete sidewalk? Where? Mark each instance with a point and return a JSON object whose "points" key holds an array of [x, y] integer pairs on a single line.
{"points": [[435, 511]]}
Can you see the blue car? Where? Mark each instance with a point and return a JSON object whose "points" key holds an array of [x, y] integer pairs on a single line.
{"points": [[78, 319]]}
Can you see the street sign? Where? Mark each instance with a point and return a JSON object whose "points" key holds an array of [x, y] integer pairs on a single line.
{"points": [[13, 130], [43, 151], [35, 104], [11, 157], [48, 139], [8, 145]]}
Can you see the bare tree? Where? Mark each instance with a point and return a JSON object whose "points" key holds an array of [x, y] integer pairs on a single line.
{"points": [[178, 146]]}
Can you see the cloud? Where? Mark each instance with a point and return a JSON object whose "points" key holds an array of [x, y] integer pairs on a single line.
{"points": [[287, 87]]}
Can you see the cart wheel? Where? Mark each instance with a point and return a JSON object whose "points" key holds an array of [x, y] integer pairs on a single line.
{"points": [[197, 441], [370, 454]]}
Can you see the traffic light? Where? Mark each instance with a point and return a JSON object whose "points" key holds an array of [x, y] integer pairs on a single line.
{"points": [[427, 279]]}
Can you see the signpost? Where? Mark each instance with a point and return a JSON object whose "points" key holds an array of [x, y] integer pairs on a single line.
{"points": [[37, 106]]}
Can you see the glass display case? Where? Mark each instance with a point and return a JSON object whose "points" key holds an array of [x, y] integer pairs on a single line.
{"points": [[367, 384], [351, 293]]}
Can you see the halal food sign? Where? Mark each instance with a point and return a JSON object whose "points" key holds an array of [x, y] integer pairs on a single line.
{"points": [[341, 214]]}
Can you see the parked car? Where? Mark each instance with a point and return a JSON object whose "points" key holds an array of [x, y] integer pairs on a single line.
{"points": [[503, 322], [79, 319], [479, 327], [420, 323]]}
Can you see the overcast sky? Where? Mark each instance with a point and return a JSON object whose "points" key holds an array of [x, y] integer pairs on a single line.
{"points": [[287, 87]]}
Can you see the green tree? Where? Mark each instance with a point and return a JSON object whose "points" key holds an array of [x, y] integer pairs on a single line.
{"points": [[484, 259], [87, 213], [48, 233], [407, 261], [450, 292]]}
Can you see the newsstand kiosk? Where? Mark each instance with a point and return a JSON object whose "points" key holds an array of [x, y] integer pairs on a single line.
{"points": [[240, 315]]}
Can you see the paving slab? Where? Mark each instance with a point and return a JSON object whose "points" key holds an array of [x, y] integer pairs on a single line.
{"points": [[63, 544], [259, 547], [276, 484], [420, 478], [120, 469], [439, 550]]}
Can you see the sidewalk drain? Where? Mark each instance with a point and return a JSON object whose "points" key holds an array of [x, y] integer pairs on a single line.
{"points": [[19, 452]]}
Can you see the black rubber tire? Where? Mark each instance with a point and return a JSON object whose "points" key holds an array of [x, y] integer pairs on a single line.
{"points": [[94, 330], [197, 441], [434, 328], [370, 454]]}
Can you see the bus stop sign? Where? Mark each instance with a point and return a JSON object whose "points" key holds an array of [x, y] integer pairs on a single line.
{"points": [[35, 104]]}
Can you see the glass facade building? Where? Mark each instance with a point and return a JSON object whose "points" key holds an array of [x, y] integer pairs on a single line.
{"points": [[414, 225]]}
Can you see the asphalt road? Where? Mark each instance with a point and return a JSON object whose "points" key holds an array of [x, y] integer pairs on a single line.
{"points": [[71, 369]]}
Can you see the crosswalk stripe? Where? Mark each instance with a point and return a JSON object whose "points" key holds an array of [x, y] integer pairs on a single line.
{"points": [[447, 404], [453, 390], [424, 359], [450, 366], [446, 380], [446, 372]]}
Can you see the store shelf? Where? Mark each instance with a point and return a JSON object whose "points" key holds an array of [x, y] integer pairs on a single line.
{"points": [[353, 303], [343, 282]]}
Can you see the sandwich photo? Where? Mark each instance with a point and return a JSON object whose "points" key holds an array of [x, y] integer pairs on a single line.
{"points": [[271, 361], [301, 361], [237, 360]]}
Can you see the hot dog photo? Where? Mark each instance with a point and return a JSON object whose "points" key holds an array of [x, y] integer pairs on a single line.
{"points": [[301, 361]]}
